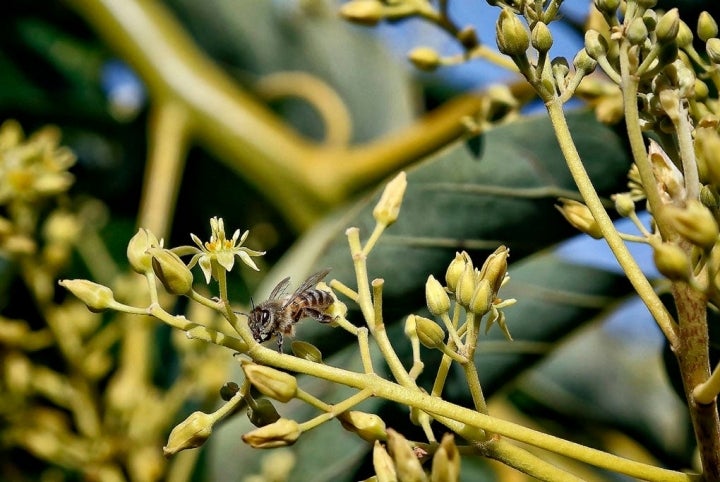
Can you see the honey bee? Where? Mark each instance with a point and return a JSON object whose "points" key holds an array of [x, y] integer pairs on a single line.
{"points": [[278, 315]]}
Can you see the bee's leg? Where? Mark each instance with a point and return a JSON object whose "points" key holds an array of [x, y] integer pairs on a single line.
{"points": [[280, 342], [319, 315]]}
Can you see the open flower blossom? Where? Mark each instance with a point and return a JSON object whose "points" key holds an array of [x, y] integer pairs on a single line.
{"points": [[220, 251]]}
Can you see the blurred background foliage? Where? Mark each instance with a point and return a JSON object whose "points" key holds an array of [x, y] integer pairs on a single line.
{"points": [[568, 372]]}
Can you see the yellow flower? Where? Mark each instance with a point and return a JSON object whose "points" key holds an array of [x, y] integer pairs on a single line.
{"points": [[220, 251]]}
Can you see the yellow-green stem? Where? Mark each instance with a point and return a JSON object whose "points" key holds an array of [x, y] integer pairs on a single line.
{"points": [[635, 275]]}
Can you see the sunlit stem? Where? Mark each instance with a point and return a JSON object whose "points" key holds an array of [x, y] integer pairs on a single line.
{"points": [[335, 410]]}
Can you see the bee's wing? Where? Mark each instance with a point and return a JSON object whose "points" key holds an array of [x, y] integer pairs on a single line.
{"points": [[279, 289], [307, 284]]}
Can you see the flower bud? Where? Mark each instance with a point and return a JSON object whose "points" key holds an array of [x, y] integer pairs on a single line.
{"points": [[279, 434], [712, 47], [368, 426], [270, 382], [510, 34], [364, 12], [429, 333], [482, 298], [671, 261], [495, 267], [306, 351], [607, 6], [174, 275], [580, 217], [446, 461], [455, 270], [383, 464], [637, 32], [388, 207], [709, 197], [424, 58], [707, 27], [468, 37], [668, 26], [262, 412], [684, 36], [189, 434], [595, 44], [624, 204], [466, 286], [438, 301], [229, 390], [407, 464], [96, 297], [695, 223], [140, 260], [541, 38], [584, 62]]}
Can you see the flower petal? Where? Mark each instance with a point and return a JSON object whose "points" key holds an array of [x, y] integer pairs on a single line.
{"points": [[205, 264], [226, 259], [247, 260]]}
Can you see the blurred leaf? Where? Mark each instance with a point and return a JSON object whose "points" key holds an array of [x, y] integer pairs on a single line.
{"points": [[601, 379], [261, 38]]}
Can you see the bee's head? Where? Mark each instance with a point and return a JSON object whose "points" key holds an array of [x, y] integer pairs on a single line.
{"points": [[260, 321]]}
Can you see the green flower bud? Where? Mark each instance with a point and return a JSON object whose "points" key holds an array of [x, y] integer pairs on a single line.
{"points": [[388, 207], [709, 197], [383, 464], [712, 47], [468, 37], [637, 32], [140, 260], [364, 12], [174, 275], [306, 351], [279, 434], [466, 286], [584, 62], [695, 223], [560, 67], [510, 34], [229, 390], [446, 461], [595, 44], [438, 301], [482, 298], [668, 26], [407, 464], [646, 3], [580, 217], [189, 434], [455, 270], [541, 38], [650, 18], [607, 6], [270, 382], [624, 204], [671, 261], [429, 333], [96, 297], [707, 27], [495, 267], [425, 58], [262, 412], [368, 426], [684, 36]]}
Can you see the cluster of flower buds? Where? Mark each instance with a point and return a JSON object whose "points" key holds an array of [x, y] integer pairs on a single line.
{"points": [[400, 461], [474, 290]]}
